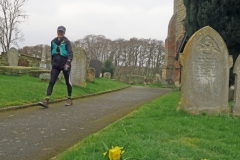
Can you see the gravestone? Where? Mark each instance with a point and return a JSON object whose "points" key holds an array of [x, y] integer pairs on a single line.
{"points": [[157, 78], [79, 67], [43, 64], [236, 104], [205, 73], [45, 76], [13, 56], [97, 65], [91, 74], [107, 75]]}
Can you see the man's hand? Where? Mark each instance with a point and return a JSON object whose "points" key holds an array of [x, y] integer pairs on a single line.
{"points": [[67, 66]]}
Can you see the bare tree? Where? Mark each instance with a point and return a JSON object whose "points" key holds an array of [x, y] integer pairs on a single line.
{"points": [[11, 15]]}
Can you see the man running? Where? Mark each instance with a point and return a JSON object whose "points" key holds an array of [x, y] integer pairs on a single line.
{"points": [[62, 56]]}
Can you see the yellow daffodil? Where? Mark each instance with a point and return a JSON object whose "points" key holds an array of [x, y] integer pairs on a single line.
{"points": [[115, 153]]}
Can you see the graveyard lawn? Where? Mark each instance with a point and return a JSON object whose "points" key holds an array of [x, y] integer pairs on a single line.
{"points": [[156, 131], [18, 90]]}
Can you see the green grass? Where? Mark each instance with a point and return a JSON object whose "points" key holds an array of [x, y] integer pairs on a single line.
{"points": [[158, 85], [17, 90], [156, 131]]}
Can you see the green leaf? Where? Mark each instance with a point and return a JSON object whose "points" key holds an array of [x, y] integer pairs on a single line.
{"points": [[106, 147]]}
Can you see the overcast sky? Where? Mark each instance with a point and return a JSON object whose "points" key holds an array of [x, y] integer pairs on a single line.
{"points": [[111, 18]]}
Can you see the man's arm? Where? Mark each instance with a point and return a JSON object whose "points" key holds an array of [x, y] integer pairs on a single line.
{"points": [[51, 52], [70, 52]]}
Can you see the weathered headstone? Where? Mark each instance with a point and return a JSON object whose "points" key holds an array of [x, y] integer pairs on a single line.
{"points": [[97, 65], [157, 78], [79, 67], [43, 64], [205, 73], [45, 76], [12, 56], [91, 74], [107, 75], [236, 104]]}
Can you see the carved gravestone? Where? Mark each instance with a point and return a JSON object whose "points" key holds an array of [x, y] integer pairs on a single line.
{"points": [[79, 67], [107, 75], [97, 65], [91, 74], [43, 64], [236, 104], [12, 56], [205, 73]]}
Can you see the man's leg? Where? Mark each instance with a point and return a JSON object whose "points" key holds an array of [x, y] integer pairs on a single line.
{"points": [[69, 86], [54, 75]]}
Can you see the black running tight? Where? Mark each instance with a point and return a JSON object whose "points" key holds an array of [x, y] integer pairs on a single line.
{"points": [[54, 75]]}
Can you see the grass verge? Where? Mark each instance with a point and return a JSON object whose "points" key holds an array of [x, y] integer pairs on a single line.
{"points": [[18, 90], [156, 131]]}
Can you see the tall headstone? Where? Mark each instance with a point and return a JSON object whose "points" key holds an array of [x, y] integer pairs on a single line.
{"points": [[205, 73], [97, 65], [236, 104], [43, 64], [79, 67], [12, 56]]}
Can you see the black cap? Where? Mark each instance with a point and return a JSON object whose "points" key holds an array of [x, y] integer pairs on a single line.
{"points": [[61, 28]]}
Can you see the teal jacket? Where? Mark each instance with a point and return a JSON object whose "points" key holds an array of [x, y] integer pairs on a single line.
{"points": [[62, 47]]}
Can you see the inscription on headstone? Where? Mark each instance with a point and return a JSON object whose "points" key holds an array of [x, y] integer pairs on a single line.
{"points": [[205, 73], [79, 67], [13, 56]]}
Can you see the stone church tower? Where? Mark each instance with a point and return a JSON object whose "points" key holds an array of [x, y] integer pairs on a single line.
{"points": [[171, 69]]}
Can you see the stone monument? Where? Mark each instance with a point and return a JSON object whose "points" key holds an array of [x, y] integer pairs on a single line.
{"points": [[90, 74], [13, 57], [43, 64], [97, 65], [205, 73], [236, 104], [107, 75], [79, 67], [157, 79]]}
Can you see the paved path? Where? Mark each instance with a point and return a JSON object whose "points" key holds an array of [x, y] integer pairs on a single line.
{"points": [[38, 134]]}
